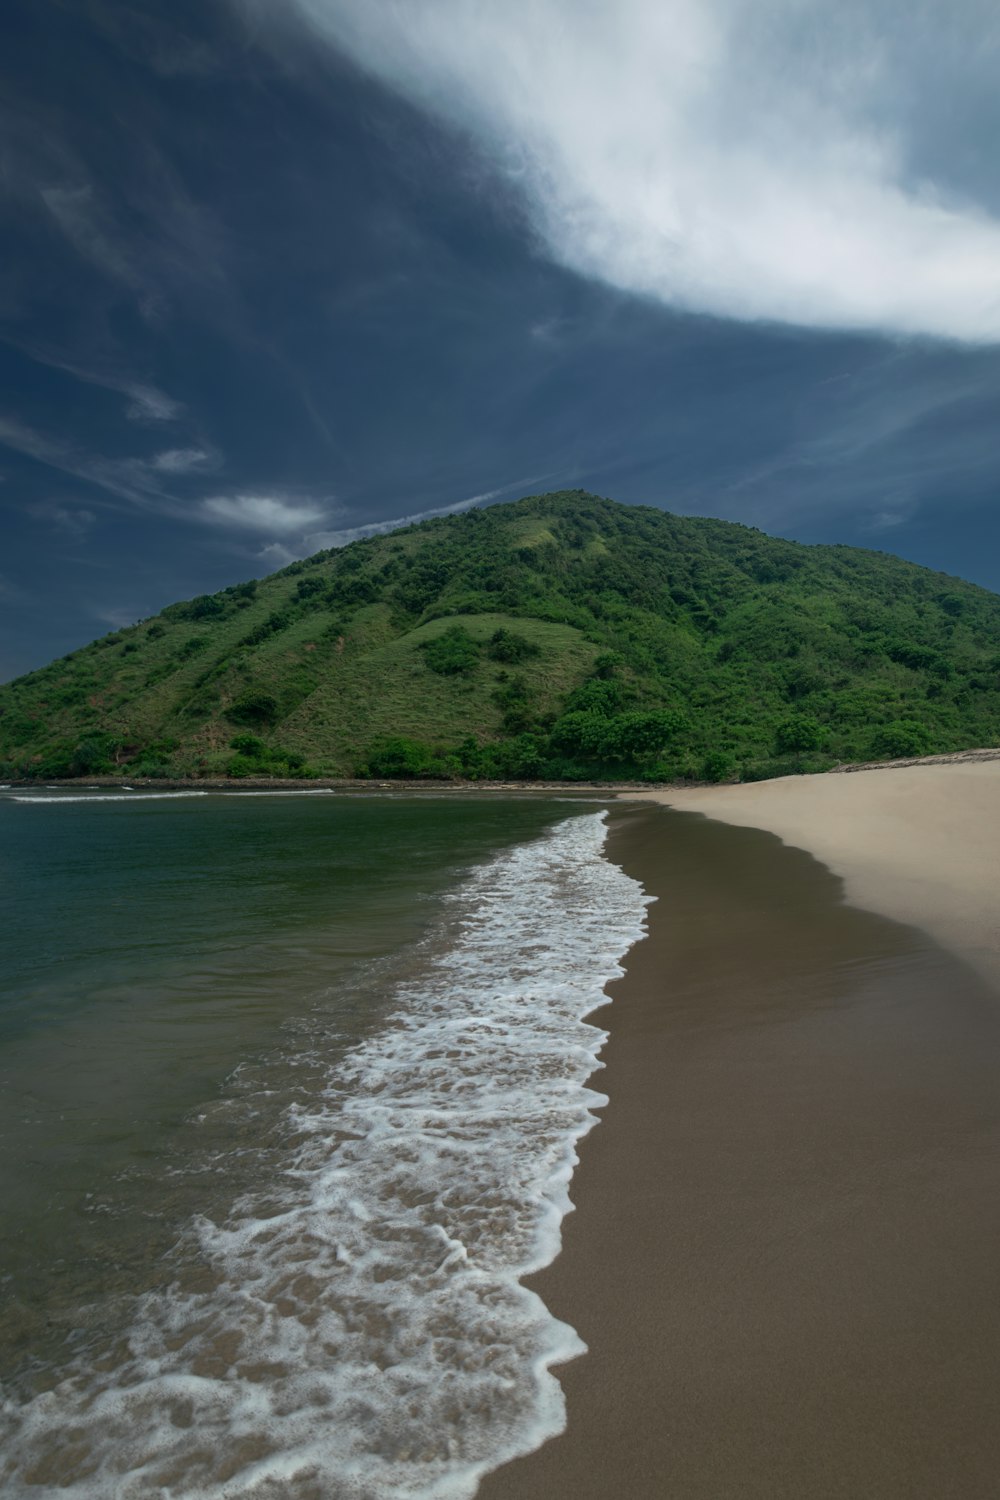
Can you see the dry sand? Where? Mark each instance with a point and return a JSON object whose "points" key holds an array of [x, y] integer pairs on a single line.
{"points": [[918, 843], [786, 1250]]}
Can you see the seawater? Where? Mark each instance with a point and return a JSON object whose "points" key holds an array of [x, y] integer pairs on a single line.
{"points": [[291, 1096]]}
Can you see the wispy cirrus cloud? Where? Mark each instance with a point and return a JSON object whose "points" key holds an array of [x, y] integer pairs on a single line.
{"points": [[279, 554], [146, 403], [879, 446], [160, 42], [347, 534], [126, 478], [128, 216], [745, 158]]}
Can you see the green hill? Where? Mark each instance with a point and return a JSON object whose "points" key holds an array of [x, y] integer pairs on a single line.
{"points": [[562, 636]]}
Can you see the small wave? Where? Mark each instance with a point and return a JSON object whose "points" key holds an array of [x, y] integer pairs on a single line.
{"points": [[297, 791], [360, 1329], [61, 797]]}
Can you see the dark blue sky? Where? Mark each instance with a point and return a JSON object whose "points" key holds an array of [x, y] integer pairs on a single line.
{"points": [[276, 271]]}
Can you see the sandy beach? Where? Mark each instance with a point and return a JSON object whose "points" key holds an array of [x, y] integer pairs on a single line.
{"points": [[786, 1248], [918, 843]]}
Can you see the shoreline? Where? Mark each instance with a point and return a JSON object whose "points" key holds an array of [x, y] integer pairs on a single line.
{"points": [[784, 1252], [917, 843], [609, 789]]}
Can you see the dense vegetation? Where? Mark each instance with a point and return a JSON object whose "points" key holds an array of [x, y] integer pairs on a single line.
{"points": [[560, 636]]}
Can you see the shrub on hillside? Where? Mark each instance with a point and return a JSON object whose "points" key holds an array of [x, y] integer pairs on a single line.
{"points": [[278, 620], [308, 588], [205, 607], [451, 653], [92, 758], [797, 734], [191, 647], [253, 707], [255, 758], [508, 646], [398, 757], [903, 737], [641, 736], [248, 744], [918, 658], [718, 765]]}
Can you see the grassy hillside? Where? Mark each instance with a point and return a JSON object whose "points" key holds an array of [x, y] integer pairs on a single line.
{"points": [[562, 635]]}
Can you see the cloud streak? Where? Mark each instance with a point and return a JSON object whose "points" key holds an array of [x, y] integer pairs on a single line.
{"points": [[146, 402], [751, 159], [139, 481], [126, 478]]}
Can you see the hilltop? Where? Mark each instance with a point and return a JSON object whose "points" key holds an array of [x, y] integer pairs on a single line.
{"points": [[561, 636]]}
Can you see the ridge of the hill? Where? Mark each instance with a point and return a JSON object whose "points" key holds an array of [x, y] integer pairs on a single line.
{"points": [[562, 636]]}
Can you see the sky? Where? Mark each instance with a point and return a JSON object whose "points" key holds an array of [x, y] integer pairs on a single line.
{"points": [[280, 273]]}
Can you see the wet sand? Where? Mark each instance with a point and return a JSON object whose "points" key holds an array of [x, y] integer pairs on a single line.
{"points": [[786, 1252]]}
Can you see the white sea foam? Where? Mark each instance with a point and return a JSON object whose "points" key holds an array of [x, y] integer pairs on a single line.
{"points": [[361, 1331]]}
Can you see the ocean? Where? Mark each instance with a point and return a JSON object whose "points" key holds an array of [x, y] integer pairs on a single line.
{"points": [[290, 1091]]}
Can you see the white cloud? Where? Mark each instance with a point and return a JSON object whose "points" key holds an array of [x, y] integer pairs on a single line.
{"points": [[280, 515], [746, 158], [184, 461]]}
